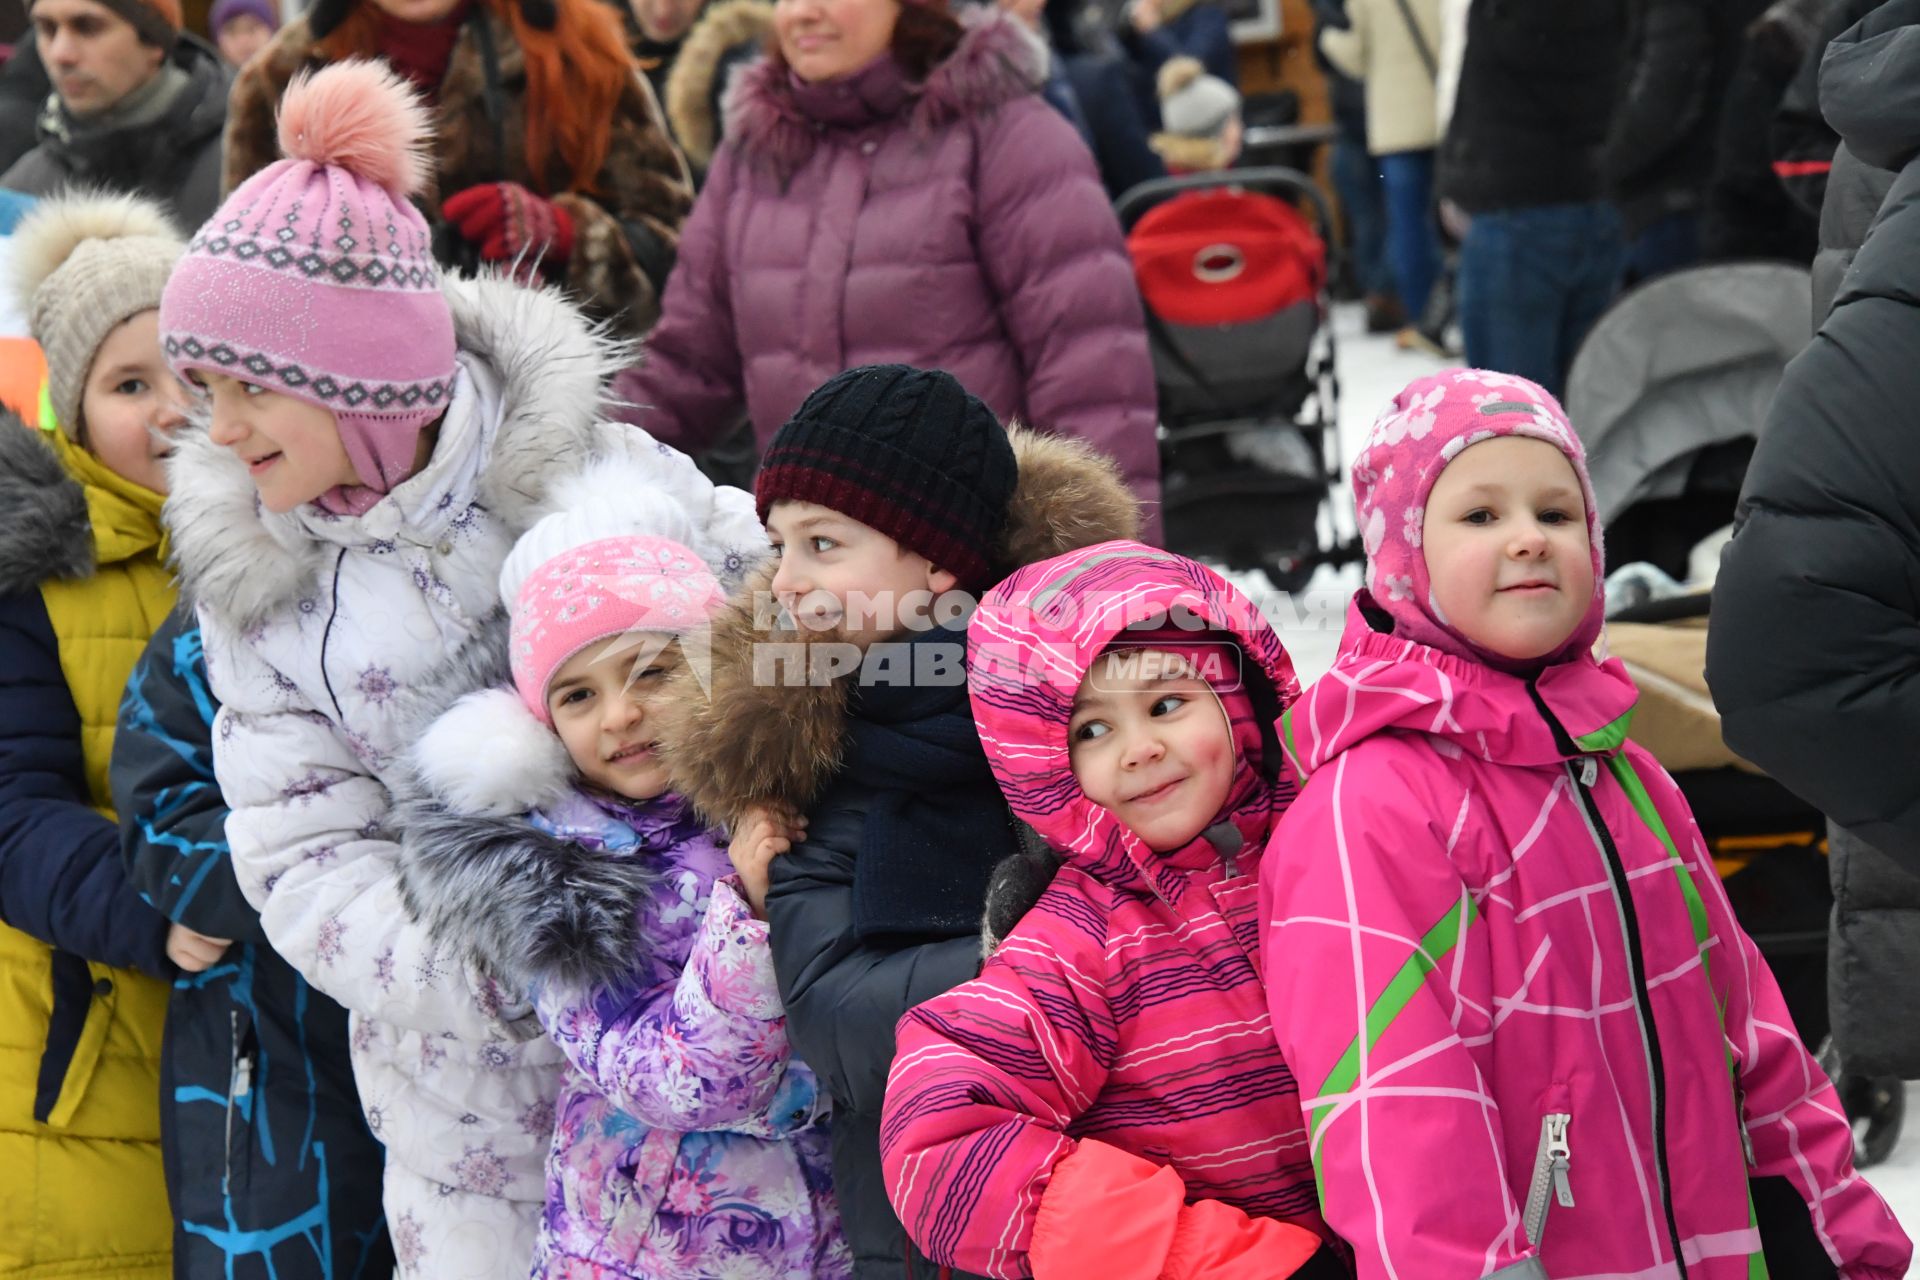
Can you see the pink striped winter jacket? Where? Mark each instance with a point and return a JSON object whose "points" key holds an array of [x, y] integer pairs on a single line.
{"points": [[1516, 906], [1113, 1063]]}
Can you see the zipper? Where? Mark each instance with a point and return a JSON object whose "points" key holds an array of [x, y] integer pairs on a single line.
{"points": [[239, 1084], [1550, 1175], [1583, 775]]}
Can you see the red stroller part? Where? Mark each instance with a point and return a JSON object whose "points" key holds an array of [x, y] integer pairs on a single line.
{"points": [[1225, 256]]}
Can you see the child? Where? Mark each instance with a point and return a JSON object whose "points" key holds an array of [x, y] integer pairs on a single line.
{"points": [[1106, 1099], [890, 487], [557, 856], [82, 586], [241, 28], [1532, 1037], [378, 439], [1201, 129]]}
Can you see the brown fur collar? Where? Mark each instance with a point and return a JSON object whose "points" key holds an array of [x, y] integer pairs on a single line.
{"points": [[735, 741], [690, 88], [1189, 155]]}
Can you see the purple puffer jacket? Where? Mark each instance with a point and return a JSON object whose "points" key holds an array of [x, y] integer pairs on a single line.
{"points": [[956, 224]]}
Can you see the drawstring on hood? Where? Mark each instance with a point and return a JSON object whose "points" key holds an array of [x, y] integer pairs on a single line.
{"points": [[1429, 424]]}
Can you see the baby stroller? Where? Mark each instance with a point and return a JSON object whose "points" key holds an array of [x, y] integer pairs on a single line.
{"points": [[1234, 280], [1668, 392]]}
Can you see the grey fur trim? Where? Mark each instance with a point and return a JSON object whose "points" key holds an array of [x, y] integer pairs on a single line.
{"points": [[44, 528], [1017, 882], [552, 363], [529, 907]]}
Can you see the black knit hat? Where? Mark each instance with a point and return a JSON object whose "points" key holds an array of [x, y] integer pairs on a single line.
{"points": [[906, 451]]}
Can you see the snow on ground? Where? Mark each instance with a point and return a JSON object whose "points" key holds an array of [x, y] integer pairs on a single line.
{"points": [[1371, 370]]}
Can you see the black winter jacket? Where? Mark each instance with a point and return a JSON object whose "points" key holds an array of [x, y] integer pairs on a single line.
{"points": [[1814, 654], [271, 1170], [1538, 84]]}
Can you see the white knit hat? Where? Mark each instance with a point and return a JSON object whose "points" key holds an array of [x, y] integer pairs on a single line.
{"points": [[82, 264], [1194, 104]]}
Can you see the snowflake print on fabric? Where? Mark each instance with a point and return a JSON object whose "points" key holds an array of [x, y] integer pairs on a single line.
{"points": [[303, 789], [495, 1057], [376, 1120], [377, 685], [482, 1172], [431, 1055], [328, 942], [537, 1120], [408, 1249], [383, 970]]}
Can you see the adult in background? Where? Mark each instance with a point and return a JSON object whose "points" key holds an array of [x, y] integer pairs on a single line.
{"points": [[1152, 31], [549, 153], [892, 188], [656, 32], [1521, 157], [136, 106], [729, 34], [1814, 654], [1659, 157]]}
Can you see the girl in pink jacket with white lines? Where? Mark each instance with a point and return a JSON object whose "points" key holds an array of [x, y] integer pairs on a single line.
{"points": [[1531, 1038]]}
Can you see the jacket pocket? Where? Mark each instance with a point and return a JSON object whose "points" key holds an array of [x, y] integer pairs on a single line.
{"points": [[1552, 1174]]}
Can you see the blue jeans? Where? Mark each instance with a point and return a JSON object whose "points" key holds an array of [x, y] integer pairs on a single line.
{"points": [[1532, 282], [1668, 245], [1358, 184], [1413, 242]]}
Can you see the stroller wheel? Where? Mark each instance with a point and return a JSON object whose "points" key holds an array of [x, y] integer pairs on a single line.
{"points": [[1875, 1105], [1288, 573]]}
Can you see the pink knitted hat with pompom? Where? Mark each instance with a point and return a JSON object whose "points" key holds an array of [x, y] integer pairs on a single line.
{"points": [[316, 277], [1429, 424]]}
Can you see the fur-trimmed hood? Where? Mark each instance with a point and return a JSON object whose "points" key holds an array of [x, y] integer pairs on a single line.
{"points": [[246, 564], [45, 531], [735, 740], [728, 33], [774, 119]]}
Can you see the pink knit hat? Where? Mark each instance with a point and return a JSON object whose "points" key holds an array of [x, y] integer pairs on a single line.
{"points": [[601, 589], [316, 278], [1428, 425]]}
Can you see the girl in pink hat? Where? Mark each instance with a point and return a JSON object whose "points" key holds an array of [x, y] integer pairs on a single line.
{"points": [[376, 438], [547, 847], [1531, 1038]]}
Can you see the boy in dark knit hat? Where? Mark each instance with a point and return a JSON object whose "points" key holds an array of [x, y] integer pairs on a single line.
{"points": [[833, 719]]}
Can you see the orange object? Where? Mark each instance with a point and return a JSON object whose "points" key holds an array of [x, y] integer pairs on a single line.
{"points": [[23, 376]]}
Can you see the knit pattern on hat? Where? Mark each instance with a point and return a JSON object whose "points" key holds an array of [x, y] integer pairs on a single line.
{"points": [[1428, 425], [156, 21], [316, 277], [600, 591], [906, 451], [1194, 104], [82, 265]]}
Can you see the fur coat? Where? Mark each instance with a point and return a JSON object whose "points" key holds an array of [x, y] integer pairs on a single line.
{"points": [[329, 641], [729, 35], [625, 233]]}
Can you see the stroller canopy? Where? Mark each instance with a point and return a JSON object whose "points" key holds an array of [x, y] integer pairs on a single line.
{"points": [[1680, 364]]}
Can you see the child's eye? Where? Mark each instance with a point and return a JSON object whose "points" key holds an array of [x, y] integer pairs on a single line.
{"points": [[1479, 515], [651, 673], [1555, 517], [574, 697], [131, 387], [1089, 731], [822, 545], [1167, 704], [251, 389]]}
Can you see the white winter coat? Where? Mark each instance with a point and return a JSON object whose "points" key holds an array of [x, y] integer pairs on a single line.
{"points": [[330, 641]]}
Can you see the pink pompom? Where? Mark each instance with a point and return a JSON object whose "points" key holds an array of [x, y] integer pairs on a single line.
{"points": [[362, 117]]}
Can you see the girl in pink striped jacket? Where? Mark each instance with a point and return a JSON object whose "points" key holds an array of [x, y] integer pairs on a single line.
{"points": [[1531, 1037], [1106, 1099]]}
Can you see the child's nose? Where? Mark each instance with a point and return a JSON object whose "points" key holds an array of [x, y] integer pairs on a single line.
{"points": [[1141, 749], [788, 582], [225, 430], [623, 713], [1529, 540]]}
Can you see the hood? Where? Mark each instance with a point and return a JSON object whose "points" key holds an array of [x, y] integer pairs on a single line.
{"points": [[775, 118], [727, 33], [735, 741], [551, 365], [45, 531], [1870, 85], [1031, 643], [530, 905], [1380, 684]]}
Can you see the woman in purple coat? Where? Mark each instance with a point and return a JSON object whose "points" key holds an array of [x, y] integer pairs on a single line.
{"points": [[892, 188]]}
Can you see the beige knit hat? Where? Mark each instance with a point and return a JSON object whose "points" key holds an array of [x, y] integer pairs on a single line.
{"points": [[82, 264]]}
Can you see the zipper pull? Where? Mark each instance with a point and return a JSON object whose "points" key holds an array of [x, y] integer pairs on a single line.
{"points": [[1559, 1155], [243, 1079], [1589, 771]]}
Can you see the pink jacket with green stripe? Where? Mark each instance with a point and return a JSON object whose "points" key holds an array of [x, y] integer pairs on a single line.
{"points": [[1531, 1038]]}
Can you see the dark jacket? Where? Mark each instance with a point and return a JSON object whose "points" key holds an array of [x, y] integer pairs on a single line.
{"points": [[1814, 655], [1537, 88], [624, 233], [1116, 128], [840, 217], [1660, 154], [860, 934], [268, 1158], [23, 89], [175, 159], [1193, 28], [1801, 140]]}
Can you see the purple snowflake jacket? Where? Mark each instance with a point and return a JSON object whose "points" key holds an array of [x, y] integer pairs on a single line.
{"points": [[687, 1142], [329, 642]]}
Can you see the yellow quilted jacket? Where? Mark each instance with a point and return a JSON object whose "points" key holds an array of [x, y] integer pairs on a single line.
{"points": [[81, 1190]]}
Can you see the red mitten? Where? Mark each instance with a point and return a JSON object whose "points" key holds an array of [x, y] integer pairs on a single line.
{"points": [[511, 224]]}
